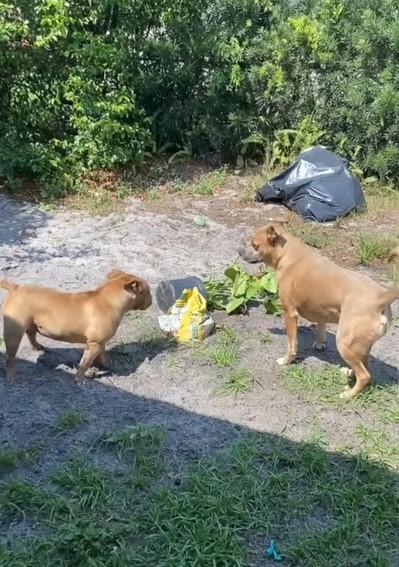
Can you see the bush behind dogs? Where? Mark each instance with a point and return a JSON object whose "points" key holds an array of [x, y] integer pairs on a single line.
{"points": [[108, 84]]}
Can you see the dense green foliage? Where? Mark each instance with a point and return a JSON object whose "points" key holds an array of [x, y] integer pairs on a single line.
{"points": [[101, 84]]}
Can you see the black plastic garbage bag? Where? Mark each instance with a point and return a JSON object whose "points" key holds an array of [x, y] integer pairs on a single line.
{"points": [[318, 186]]}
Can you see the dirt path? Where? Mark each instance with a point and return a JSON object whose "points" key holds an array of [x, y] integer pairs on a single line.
{"points": [[73, 251]]}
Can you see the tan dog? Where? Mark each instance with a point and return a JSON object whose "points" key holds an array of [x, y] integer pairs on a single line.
{"points": [[88, 317], [318, 290]]}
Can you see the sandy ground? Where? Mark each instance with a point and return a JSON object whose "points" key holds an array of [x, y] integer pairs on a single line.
{"points": [[151, 382]]}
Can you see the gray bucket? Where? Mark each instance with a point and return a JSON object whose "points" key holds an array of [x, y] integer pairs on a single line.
{"points": [[170, 290]]}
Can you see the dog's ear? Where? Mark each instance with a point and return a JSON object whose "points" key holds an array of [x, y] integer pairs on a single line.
{"points": [[114, 274], [134, 286], [271, 235]]}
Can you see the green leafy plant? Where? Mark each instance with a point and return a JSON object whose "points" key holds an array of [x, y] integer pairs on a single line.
{"points": [[182, 155], [233, 291], [288, 143], [106, 85]]}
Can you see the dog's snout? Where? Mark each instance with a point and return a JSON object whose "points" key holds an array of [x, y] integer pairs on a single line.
{"points": [[248, 253], [148, 301]]}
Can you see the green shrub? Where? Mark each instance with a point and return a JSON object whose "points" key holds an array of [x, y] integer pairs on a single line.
{"points": [[86, 86]]}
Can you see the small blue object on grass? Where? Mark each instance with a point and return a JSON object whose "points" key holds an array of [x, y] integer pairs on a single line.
{"points": [[272, 551]]}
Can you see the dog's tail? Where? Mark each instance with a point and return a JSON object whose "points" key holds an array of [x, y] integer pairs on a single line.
{"points": [[394, 256], [393, 259], [389, 295], [9, 286]]}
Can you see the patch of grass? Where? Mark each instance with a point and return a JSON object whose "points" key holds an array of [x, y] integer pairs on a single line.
{"points": [[152, 195], [86, 484], [96, 200], [120, 352], [175, 361], [313, 234], [265, 490], [19, 497], [265, 338], [378, 446], [47, 206], [132, 439], [325, 383], [370, 247], [391, 415], [323, 509], [146, 470], [238, 381], [221, 355], [8, 458], [384, 400], [381, 198], [31, 452], [207, 185], [250, 182], [68, 534], [11, 458], [142, 449], [224, 353], [66, 421], [318, 239], [227, 335]]}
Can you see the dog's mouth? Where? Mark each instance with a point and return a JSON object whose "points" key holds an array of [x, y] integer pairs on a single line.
{"points": [[249, 254], [146, 304]]}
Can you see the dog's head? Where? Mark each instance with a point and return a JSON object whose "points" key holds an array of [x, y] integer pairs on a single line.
{"points": [[137, 291], [267, 244]]}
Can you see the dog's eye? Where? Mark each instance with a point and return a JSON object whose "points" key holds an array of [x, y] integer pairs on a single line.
{"points": [[255, 247]]}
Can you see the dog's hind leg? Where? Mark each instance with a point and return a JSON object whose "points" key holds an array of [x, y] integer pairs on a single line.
{"points": [[100, 361], [31, 332], [13, 333], [355, 338], [355, 351]]}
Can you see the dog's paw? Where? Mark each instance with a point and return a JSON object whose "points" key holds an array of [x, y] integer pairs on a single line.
{"points": [[348, 372], [347, 394], [319, 346], [284, 360], [100, 367]]}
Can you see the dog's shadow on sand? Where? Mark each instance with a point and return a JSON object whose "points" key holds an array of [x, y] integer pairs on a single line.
{"points": [[382, 373], [123, 359]]}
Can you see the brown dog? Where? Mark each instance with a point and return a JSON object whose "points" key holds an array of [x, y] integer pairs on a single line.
{"points": [[318, 290], [88, 317]]}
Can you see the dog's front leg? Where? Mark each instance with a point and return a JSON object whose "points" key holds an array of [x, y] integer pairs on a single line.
{"points": [[291, 324], [91, 352]]}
